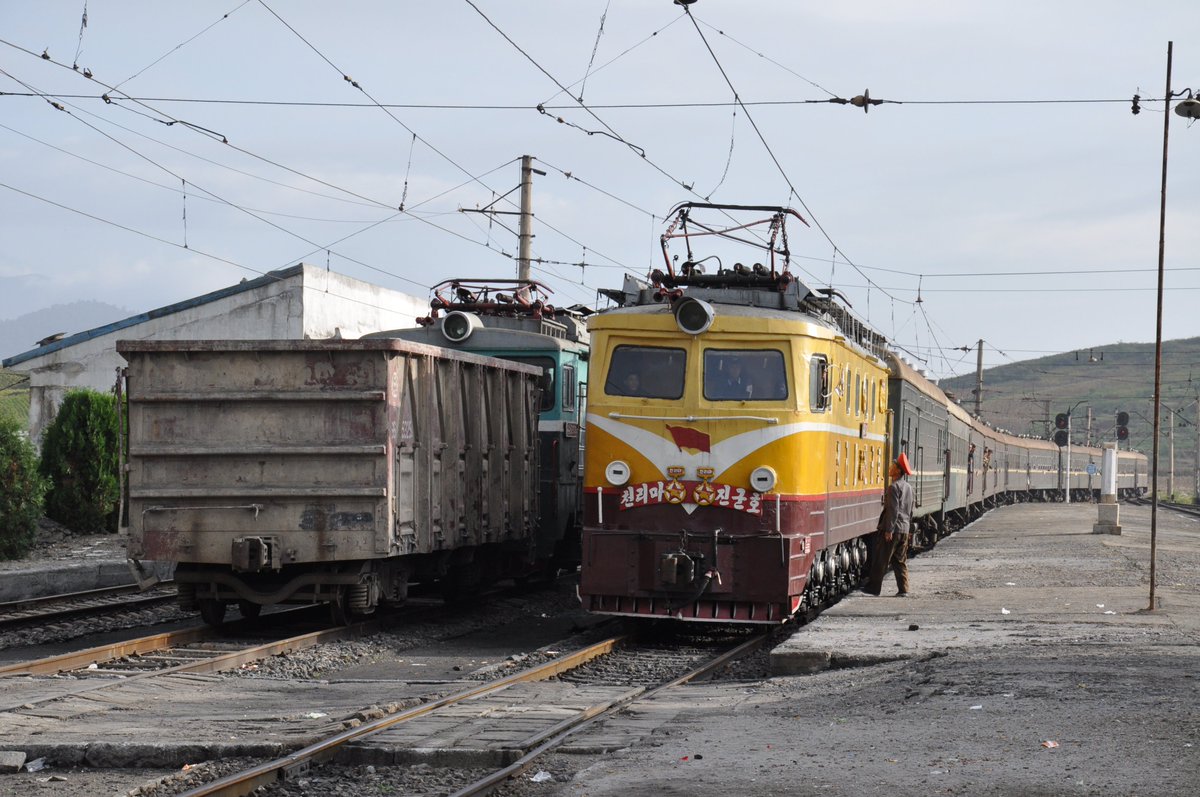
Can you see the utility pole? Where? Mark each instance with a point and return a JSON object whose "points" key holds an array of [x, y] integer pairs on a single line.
{"points": [[1196, 485], [1089, 427], [1068, 468], [526, 229], [1171, 448], [979, 381]]}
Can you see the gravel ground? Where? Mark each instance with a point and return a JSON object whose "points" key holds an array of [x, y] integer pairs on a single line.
{"points": [[56, 543], [1095, 702]]}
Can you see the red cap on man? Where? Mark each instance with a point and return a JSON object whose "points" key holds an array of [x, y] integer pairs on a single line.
{"points": [[902, 463]]}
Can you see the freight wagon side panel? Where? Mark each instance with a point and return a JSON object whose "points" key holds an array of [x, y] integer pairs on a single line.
{"points": [[293, 444], [262, 459]]}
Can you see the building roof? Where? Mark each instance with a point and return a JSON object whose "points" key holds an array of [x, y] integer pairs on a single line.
{"points": [[70, 340]]}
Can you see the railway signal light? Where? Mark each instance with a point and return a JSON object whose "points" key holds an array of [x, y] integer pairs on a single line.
{"points": [[1061, 437], [1122, 425], [1061, 421]]}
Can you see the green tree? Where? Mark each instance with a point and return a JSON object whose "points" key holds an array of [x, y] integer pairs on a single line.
{"points": [[79, 459], [21, 491]]}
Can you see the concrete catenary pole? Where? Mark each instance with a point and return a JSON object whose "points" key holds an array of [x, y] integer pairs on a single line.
{"points": [[526, 228], [1171, 455], [979, 381]]}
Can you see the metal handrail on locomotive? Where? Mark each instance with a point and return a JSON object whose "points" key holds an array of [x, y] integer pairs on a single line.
{"points": [[740, 426]]}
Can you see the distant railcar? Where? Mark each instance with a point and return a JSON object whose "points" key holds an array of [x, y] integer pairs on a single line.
{"points": [[513, 320], [328, 471]]}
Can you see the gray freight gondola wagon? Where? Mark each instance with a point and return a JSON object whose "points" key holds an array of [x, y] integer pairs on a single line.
{"points": [[328, 471]]}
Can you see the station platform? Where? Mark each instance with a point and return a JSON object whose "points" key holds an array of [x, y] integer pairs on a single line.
{"points": [[61, 562], [1021, 574]]}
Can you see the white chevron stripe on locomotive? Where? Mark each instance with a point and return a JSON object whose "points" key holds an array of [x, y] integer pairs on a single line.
{"points": [[725, 454]]}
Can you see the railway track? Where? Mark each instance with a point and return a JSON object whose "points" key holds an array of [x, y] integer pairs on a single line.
{"points": [[507, 724], [69, 606], [1187, 509], [198, 649]]}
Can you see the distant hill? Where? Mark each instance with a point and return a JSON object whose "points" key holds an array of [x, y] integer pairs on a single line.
{"points": [[1024, 397], [22, 333]]}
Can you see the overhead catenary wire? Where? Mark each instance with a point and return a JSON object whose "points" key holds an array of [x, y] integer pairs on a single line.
{"points": [[593, 91], [318, 247], [177, 47], [598, 106], [415, 135], [83, 22], [175, 244], [250, 213], [346, 78], [595, 49], [771, 154]]}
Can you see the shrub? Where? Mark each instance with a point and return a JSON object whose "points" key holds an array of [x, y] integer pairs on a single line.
{"points": [[79, 460], [21, 491]]}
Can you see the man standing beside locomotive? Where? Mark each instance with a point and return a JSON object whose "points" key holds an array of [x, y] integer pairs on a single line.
{"points": [[891, 543]]}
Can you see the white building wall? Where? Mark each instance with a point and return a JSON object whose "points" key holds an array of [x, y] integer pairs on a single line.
{"points": [[309, 303], [336, 304]]}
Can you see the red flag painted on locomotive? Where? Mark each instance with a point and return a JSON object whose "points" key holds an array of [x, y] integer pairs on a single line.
{"points": [[690, 438]]}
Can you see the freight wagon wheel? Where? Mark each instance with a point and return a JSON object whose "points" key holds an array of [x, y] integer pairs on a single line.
{"points": [[249, 609], [339, 612], [212, 611]]}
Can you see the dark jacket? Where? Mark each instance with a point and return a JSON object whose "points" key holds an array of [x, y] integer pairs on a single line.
{"points": [[898, 502]]}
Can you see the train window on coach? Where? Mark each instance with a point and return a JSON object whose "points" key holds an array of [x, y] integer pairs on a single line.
{"points": [[744, 375], [646, 372], [818, 383]]}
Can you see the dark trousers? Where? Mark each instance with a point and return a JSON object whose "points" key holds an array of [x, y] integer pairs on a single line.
{"points": [[886, 554]]}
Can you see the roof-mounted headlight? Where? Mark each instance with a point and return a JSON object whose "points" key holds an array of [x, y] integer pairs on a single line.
{"points": [[693, 315], [457, 326]]}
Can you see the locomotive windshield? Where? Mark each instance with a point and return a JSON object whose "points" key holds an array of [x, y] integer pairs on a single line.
{"points": [[746, 375], [646, 372]]}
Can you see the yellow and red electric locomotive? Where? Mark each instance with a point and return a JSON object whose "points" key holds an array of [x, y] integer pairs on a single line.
{"points": [[736, 450]]}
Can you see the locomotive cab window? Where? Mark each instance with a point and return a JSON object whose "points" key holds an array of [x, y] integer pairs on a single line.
{"points": [[818, 383], [546, 383], [568, 387], [744, 375], [646, 372]]}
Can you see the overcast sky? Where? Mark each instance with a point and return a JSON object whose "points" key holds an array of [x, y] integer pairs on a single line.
{"points": [[1006, 188]]}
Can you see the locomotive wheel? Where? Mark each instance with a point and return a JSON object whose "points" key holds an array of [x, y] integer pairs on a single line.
{"points": [[212, 611], [249, 609]]}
